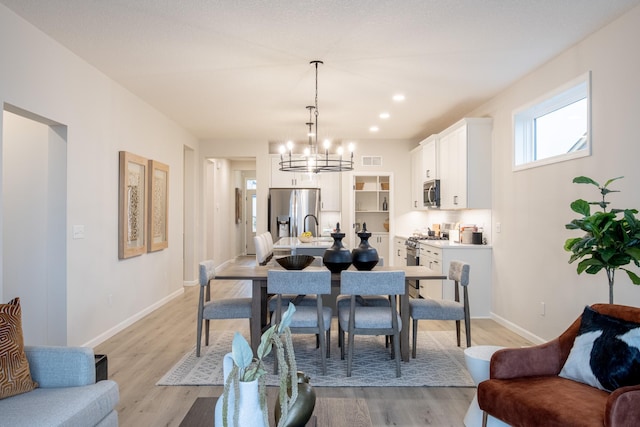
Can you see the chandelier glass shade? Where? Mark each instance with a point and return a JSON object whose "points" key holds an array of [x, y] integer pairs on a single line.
{"points": [[313, 159]]}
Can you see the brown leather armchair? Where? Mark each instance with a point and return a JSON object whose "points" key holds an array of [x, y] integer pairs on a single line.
{"points": [[524, 388]]}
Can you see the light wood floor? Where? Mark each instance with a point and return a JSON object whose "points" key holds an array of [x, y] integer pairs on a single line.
{"points": [[141, 354]]}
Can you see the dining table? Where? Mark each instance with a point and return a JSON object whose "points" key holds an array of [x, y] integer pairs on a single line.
{"points": [[259, 312]]}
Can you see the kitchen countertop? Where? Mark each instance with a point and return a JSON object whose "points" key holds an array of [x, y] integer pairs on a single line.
{"points": [[452, 245], [294, 242]]}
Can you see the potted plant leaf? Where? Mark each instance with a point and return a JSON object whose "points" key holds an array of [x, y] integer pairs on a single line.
{"points": [[244, 400], [612, 236]]}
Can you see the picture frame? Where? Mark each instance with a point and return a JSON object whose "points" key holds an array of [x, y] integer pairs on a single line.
{"points": [[238, 205], [158, 228], [132, 205]]}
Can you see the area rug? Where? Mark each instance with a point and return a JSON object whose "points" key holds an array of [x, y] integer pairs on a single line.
{"points": [[439, 363]]}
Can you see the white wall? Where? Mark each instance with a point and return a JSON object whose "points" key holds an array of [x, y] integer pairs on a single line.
{"points": [[40, 76], [530, 265]]}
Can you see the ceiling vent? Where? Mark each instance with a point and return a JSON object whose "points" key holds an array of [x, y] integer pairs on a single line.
{"points": [[371, 160]]}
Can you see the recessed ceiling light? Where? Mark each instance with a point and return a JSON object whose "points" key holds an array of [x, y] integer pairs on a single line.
{"points": [[384, 115], [398, 97], [374, 129]]}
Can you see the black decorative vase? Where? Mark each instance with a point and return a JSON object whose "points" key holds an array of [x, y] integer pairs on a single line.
{"points": [[337, 257], [302, 409], [365, 257]]}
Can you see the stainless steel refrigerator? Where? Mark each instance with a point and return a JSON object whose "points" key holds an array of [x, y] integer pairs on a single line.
{"points": [[292, 211]]}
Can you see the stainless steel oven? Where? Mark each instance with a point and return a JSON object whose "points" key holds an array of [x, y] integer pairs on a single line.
{"points": [[413, 258]]}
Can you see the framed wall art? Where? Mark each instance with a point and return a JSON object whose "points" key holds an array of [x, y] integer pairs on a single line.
{"points": [[238, 205], [158, 206], [132, 203]]}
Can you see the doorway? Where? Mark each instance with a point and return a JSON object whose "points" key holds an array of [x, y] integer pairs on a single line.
{"points": [[34, 223], [251, 215]]}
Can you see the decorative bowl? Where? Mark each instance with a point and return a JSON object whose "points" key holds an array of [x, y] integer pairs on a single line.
{"points": [[295, 262], [305, 239]]}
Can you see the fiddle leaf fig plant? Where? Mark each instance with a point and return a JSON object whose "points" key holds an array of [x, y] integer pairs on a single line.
{"points": [[612, 236]]}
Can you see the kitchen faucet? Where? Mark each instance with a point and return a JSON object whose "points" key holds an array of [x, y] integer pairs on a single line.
{"points": [[304, 221]]}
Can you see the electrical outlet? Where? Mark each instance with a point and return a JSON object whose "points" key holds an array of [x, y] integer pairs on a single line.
{"points": [[542, 308], [498, 227]]}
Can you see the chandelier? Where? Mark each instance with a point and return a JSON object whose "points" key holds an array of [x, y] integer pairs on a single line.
{"points": [[313, 160]]}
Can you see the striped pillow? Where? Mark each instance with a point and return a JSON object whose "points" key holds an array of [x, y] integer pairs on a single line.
{"points": [[15, 377]]}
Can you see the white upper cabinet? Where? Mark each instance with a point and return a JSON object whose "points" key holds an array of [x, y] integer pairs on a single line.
{"points": [[424, 167], [280, 179], [465, 165], [330, 185], [430, 158], [416, 178]]}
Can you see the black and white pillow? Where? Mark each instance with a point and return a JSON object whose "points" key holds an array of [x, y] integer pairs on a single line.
{"points": [[606, 352]]}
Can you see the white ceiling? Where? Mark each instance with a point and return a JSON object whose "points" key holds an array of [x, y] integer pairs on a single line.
{"points": [[236, 69]]}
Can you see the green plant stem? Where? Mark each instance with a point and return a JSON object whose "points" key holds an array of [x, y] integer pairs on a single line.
{"points": [[610, 276]]}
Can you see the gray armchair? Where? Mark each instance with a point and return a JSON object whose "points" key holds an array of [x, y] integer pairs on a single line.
{"points": [[67, 395]]}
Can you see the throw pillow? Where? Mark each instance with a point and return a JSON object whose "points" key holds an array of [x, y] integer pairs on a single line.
{"points": [[606, 352], [15, 377]]}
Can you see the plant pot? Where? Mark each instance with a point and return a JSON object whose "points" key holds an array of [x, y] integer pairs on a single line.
{"points": [[302, 409], [249, 410]]}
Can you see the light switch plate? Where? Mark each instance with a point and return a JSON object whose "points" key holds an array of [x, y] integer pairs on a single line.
{"points": [[78, 231]]}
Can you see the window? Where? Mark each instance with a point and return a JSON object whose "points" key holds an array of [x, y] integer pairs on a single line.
{"points": [[555, 128]]}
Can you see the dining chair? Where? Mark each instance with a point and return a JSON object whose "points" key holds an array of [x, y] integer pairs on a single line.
{"points": [[443, 309], [365, 300], [306, 319], [226, 308], [262, 251], [371, 320]]}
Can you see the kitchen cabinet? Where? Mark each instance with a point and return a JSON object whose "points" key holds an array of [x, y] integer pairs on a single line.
{"points": [[416, 179], [431, 257], [465, 164], [330, 184], [380, 241], [424, 167], [373, 205], [280, 179], [438, 256], [430, 158], [400, 251]]}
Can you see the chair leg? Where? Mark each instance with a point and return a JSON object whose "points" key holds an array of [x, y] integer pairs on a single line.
{"points": [[415, 338], [349, 354], [396, 347], [341, 340], [198, 337], [323, 346], [458, 331], [467, 331], [393, 348], [484, 419], [328, 341], [206, 332]]}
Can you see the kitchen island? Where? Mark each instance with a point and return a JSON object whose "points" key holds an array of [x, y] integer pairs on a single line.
{"points": [[314, 248]]}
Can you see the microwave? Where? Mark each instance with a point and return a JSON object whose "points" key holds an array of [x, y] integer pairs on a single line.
{"points": [[431, 193]]}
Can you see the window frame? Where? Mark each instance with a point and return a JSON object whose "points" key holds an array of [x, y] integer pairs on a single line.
{"points": [[523, 119]]}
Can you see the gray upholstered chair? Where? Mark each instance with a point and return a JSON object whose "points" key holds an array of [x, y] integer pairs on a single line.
{"points": [[365, 300], [440, 309], [307, 319], [227, 308], [366, 319]]}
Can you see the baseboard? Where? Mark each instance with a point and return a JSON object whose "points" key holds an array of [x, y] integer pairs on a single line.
{"points": [[517, 329], [190, 283], [131, 320]]}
